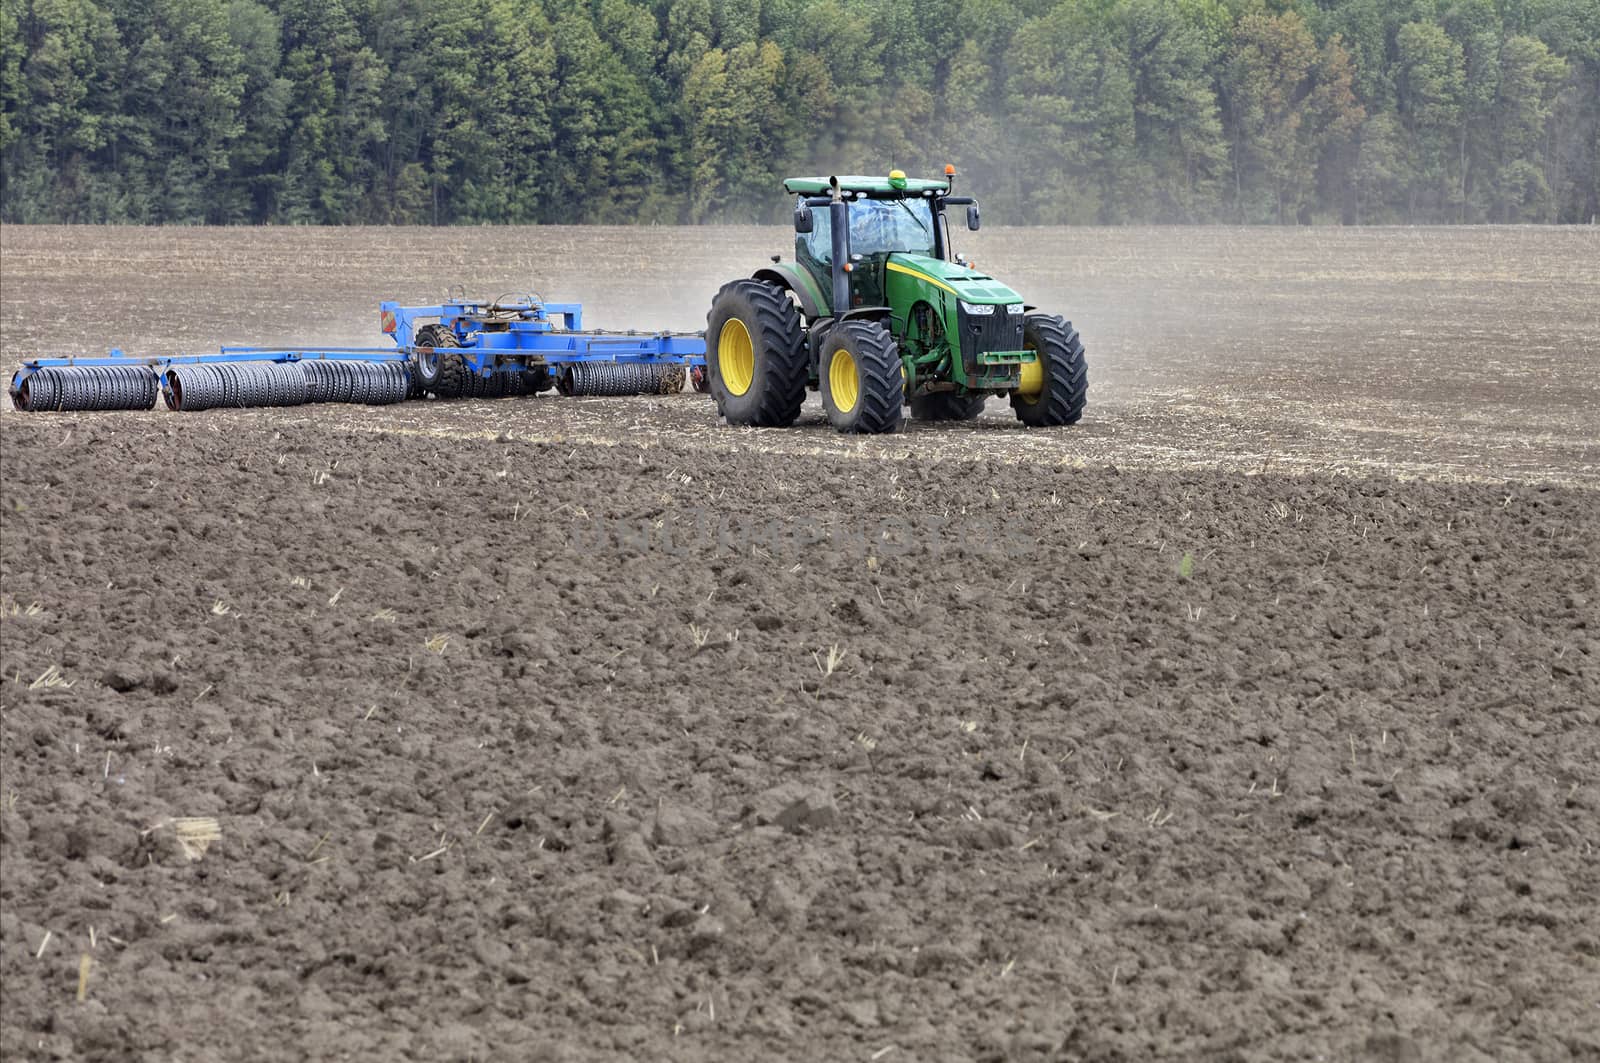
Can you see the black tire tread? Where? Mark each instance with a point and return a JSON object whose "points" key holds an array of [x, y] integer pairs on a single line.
{"points": [[781, 367], [452, 381], [1066, 382], [881, 405]]}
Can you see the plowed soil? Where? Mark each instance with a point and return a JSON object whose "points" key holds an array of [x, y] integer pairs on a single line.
{"points": [[1258, 718]]}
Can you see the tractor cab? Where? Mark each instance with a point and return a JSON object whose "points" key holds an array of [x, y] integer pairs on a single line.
{"points": [[888, 216], [879, 228]]}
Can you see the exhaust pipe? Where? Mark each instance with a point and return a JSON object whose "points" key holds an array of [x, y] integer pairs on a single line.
{"points": [[839, 221]]}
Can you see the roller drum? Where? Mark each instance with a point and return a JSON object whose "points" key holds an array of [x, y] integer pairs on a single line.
{"points": [[87, 388], [617, 379], [192, 388]]}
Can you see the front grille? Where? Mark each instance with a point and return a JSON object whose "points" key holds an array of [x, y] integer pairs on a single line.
{"points": [[981, 333]]}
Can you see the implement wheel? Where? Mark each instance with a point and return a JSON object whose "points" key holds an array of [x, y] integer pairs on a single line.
{"points": [[863, 384], [440, 372], [537, 379], [1055, 387], [947, 406], [755, 355]]}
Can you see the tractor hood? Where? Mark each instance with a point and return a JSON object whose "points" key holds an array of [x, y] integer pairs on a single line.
{"points": [[961, 281]]}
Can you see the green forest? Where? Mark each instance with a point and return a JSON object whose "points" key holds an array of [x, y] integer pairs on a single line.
{"points": [[639, 111]]}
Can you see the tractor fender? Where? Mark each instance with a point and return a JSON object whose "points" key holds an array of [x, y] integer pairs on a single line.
{"points": [[817, 335], [794, 279]]}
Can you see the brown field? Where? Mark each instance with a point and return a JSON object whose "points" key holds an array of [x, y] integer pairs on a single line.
{"points": [[1256, 718]]}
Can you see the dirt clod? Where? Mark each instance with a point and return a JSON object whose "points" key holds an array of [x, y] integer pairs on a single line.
{"points": [[679, 825]]}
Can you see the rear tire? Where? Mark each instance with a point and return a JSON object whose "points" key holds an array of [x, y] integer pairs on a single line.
{"points": [[1056, 392], [863, 382], [755, 355], [947, 406]]}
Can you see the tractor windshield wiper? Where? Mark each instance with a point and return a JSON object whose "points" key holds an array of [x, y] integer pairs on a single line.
{"points": [[907, 208]]}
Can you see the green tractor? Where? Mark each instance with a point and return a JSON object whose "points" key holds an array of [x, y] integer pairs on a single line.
{"points": [[877, 313]]}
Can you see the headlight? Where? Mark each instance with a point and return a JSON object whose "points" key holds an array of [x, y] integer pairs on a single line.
{"points": [[1014, 308], [980, 309]]}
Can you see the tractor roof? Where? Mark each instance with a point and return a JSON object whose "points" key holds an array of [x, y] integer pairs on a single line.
{"points": [[872, 186]]}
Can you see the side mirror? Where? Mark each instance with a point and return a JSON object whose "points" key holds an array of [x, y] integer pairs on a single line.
{"points": [[973, 221], [802, 220]]}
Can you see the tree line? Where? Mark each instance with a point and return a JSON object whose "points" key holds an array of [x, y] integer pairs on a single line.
{"points": [[628, 111]]}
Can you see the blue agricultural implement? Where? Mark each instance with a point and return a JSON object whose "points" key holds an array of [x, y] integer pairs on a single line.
{"points": [[461, 348]]}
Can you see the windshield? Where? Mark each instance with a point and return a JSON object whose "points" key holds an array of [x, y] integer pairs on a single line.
{"points": [[878, 225]]}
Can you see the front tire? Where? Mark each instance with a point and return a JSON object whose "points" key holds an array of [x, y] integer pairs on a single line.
{"points": [[1055, 387], [863, 382], [755, 355]]}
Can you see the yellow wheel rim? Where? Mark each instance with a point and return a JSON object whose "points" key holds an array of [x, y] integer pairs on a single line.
{"points": [[736, 357], [1032, 376], [844, 383]]}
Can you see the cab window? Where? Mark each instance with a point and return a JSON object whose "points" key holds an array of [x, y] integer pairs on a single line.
{"points": [[876, 226], [879, 225], [819, 241]]}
